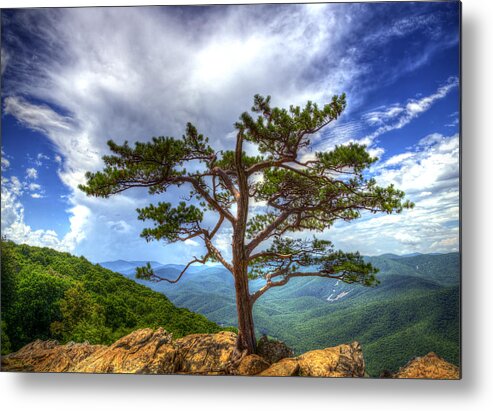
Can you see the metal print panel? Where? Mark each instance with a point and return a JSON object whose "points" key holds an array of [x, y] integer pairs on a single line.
{"points": [[242, 190]]}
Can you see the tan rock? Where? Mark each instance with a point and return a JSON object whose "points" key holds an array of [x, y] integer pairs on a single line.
{"points": [[273, 350], [143, 352], [430, 366], [154, 352], [48, 356], [205, 353], [345, 360], [252, 365], [287, 367]]}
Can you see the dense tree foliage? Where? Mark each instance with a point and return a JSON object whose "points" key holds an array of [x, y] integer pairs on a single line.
{"points": [[51, 295], [299, 191]]}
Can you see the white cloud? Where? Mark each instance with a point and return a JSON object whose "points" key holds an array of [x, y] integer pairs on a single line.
{"points": [[397, 116], [40, 158], [406, 238], [4, 59], [32, 173], [37, 117], [386, 118], [14, 227], [192, 243], [34, 186], [379, 117], [429, 176], [397, 159], [5, 163], [143, 72], [15, 185]]}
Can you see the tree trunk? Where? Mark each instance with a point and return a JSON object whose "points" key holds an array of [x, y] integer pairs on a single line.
{"points": [[246, 333]]}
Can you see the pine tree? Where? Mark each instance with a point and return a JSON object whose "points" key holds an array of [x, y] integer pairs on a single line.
{"points": [[297, 191]]}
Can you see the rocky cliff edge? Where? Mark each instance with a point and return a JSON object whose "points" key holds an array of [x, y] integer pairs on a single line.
{"points": [[147, 351]]}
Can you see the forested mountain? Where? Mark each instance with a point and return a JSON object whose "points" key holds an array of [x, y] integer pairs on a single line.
{"points": [[51, 295], [413, 311]]}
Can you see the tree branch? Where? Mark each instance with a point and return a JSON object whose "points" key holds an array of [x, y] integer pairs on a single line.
{"points": [[217, 254], [286, 278], [195, 260], [213, 202], [227, 181], [266, 231]]}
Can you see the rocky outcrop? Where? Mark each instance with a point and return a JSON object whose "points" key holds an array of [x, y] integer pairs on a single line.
{"points": [[48, 356], [345, 360], [251, 365], [205, 353], [429, 366], [154, 352], [272, 350], [142, 352], [288, 367], [150, 351]]}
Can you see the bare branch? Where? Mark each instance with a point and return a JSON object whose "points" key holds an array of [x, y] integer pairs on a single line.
{"points": [[286, 277], [217, 254], [217, 227], [267, 231], [268, 164], [158, 278]]}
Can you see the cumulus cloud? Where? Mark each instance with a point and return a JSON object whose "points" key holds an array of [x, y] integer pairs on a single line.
{"points": [[429, 175], [133, 73], [14, 227], [140, 72], [34, 186], [32, 173]]}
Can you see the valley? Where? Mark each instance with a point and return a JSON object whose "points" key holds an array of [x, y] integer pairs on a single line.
{"points": [[414, 310]]}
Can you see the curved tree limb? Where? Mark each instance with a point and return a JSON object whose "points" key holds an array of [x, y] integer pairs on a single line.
{"points": [[287, 277]]}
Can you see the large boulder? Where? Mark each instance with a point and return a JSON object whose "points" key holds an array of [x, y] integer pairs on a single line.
{"points": [[205, 353], [251, 365], [272, 350], [143, 352], [48, 356], [287, 367], [429, 366], [345, 360]]}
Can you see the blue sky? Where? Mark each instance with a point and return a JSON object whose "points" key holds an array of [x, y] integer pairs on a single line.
{"points": [[74, 78]]}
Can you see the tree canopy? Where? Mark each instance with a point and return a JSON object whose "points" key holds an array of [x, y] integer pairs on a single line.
{"points": [[296, 190]]}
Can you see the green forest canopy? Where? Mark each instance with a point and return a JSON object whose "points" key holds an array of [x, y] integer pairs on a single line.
{"points": [[47, 294]]}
